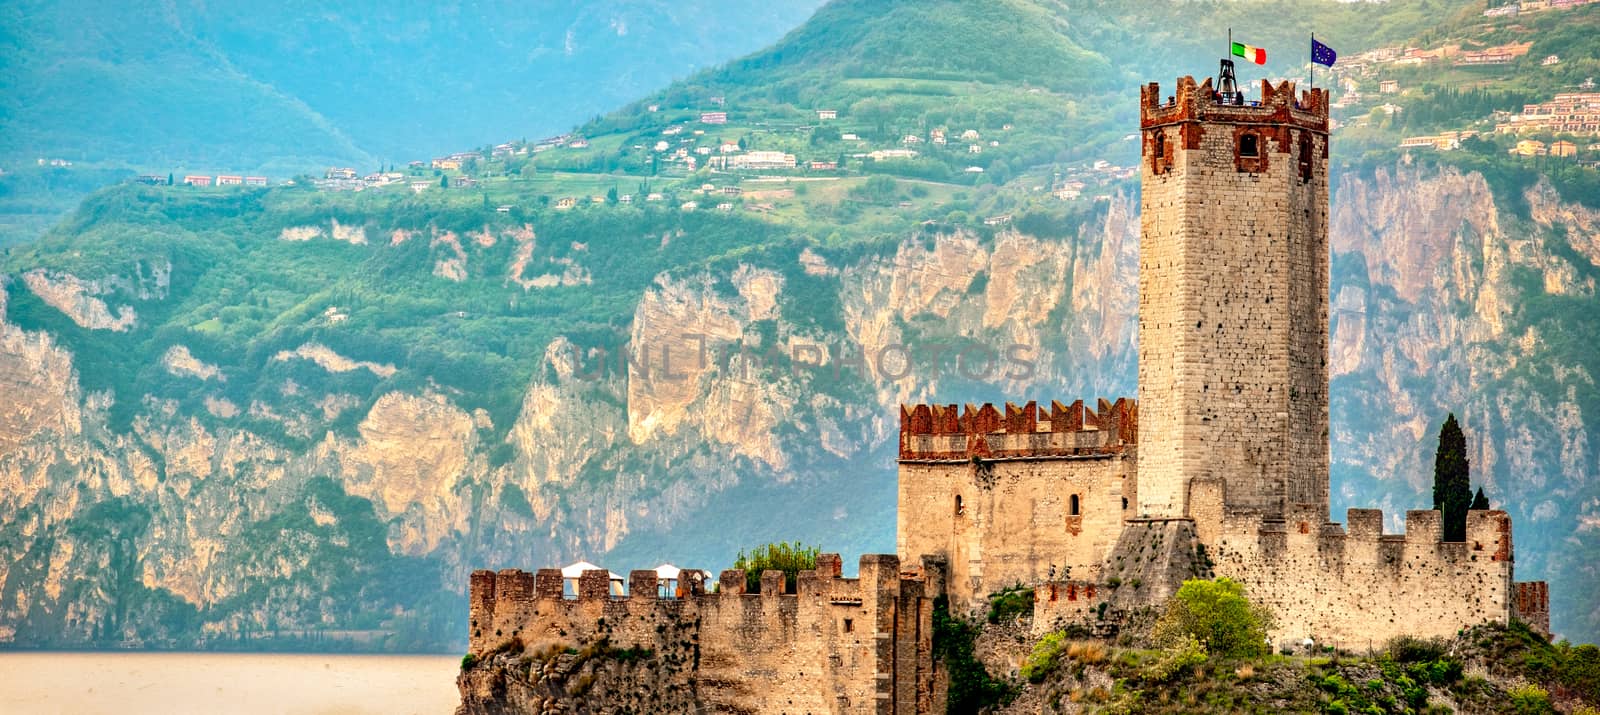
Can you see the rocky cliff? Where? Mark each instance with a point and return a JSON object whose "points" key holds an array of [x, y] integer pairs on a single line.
{"points": [[313, 483]]}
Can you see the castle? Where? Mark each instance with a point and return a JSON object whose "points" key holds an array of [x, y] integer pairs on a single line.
{"points": [[1219, 469]]}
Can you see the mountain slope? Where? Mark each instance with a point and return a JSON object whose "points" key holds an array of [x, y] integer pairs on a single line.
{"points": [[233, 405], [288, 88]]}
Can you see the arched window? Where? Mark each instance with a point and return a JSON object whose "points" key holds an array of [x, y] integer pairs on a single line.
{"points": [[1072, 506], [1247, 145], [1306, 147], [1124, 502], [1158, 153], [960, 508]]}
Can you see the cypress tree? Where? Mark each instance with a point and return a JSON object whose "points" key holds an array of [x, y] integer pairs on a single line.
{"points": [[1480, 501], [1452, 492]]}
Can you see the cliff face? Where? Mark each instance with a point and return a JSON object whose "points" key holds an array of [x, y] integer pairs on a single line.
{"points": [[746, 401]]}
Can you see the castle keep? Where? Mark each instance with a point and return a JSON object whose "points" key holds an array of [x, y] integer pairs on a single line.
{"points": [[1220, 468]]}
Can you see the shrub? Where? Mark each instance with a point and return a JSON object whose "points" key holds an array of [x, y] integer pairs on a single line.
{"points": [[468, 660], [790, 558], [1217, 614], [1530, 699], [1178, 656], [1409, 649], [1011, 603], [971, 687], [1045, 657]]}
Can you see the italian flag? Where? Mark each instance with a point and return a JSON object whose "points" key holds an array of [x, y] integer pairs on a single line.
{"points": [[1254, 54]]}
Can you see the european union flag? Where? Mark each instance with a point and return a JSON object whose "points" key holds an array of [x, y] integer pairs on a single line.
{"points": [[1322, 54]]}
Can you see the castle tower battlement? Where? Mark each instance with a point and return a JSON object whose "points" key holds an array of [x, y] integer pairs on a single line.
{"points": [[1233, 297], [946, 433]]}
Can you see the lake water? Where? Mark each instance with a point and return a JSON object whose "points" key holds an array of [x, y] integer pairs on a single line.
{"points": [[89, 683]]}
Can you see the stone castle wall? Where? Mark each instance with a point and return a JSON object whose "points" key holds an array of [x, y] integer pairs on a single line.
{"points": [[1233, 281], [1014, 498], [1353, 584], [837, 645]]}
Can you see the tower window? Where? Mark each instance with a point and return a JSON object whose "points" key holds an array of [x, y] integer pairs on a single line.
{"points": [[1158, 153], [1247, 145], [960, 508], [1306, 148], [1124, 503], [1072, 506]]}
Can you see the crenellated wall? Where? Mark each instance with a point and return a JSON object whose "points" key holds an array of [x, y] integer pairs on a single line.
{"points": [[836, 645], [1015, 497], [1353, 585]]}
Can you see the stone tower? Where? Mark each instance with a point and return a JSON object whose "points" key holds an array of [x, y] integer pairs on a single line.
{"points": [[1233, 298]]}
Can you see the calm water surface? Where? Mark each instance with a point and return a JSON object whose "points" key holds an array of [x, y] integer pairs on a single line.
{"points": [[249, 684]]}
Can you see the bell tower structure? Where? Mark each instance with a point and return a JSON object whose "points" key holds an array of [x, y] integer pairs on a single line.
{"points": [[1233, 298]]}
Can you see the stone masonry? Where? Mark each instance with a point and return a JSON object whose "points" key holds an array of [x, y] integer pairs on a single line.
{"points": [[835, 645], [1233, 307]]}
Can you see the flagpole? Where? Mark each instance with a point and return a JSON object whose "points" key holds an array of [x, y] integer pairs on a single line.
{"points": [[1313, 63]]}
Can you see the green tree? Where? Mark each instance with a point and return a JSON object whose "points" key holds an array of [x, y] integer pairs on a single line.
{"points": [[1218, 615], [444, 182], [790, 558], [1480, 501], [611, 195], [1452, 492]]}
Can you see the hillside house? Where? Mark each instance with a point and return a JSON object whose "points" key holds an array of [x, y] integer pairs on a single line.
{"points": [[975, 149], [911, 139], [970, 135], [1550, 60], [729, 147], [151, 179], [566, 202], [827, 114], [1563, 148], [463, 182], [255, 181], [817, 165], [849, 137], [418, 187], [1529, 147], [689, 205], [447, 164], [762, 160], [725, 206], [654, 196], [196, 180], [230, 180], [578, 144], [335, 172], [1389, 86], [713, 117], [884, 154]]}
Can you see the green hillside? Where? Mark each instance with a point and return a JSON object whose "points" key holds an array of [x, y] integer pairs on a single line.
{"points": [[444, 292], [282, 88]]}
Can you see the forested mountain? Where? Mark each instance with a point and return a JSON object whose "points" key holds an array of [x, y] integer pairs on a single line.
{"points": [[300, 415], [284, 88]]}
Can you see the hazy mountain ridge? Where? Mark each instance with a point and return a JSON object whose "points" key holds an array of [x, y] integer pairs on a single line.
{"points": [[251, 429], [283, 89]]}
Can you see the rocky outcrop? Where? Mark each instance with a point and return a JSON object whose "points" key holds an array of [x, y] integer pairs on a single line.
{"points": [[289, 482]]}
